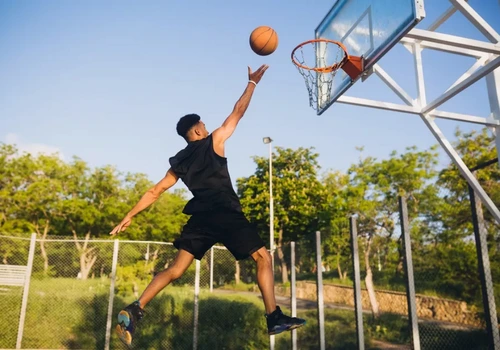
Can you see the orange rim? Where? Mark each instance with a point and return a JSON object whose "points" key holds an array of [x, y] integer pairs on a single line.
{"points": [[329, 69]]}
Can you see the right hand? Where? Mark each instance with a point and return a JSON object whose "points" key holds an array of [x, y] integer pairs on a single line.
{"points": [[257, 75], [122, 225]]}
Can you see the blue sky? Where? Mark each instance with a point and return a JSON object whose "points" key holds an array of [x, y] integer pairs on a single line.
{"points": [[107, 81]]}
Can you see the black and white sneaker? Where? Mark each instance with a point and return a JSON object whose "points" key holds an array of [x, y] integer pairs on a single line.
{"points": [[278, 322]]}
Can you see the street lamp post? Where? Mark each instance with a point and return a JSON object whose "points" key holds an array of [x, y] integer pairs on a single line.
{"points": [[268, 140]]}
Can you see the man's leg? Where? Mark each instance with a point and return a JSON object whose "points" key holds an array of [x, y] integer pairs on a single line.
{"points": [[164, 278], [277, 322], [129, 316], [240, 237], [265, 278]]}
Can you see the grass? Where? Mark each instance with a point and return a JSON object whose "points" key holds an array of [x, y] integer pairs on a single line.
{"points": [[10, 303], [243, 287], [71, 314]]}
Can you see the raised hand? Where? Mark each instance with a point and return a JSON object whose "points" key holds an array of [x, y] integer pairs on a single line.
{"points": [[257, 75]]}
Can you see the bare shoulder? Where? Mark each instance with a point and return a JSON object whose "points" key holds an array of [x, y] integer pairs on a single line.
{"points": [[218, 135], [218, 142]]}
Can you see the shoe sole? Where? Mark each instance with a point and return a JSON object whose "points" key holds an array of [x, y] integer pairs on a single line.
{"points": [[121, 329], [124, 335], [287, 329]]}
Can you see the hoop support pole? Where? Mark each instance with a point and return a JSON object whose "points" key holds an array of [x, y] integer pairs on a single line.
{"points": [[354, 66]]}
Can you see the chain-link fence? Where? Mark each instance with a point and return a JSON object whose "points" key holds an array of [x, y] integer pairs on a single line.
{"points": [[77, 286], [350, 292], [447, 279], [14, 251], [68, 295], [419, 286]]}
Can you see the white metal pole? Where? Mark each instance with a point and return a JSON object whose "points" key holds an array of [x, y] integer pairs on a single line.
{"points": [[293, 292], [26, 290], [211, 269], [196, 305], [319, 291], [358, 305], [268, 140], [493, 85], [111, 293], [271, 222], [409, 278]]}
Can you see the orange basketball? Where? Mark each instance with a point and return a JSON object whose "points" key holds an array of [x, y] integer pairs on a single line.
{"points": [[264, 40]]}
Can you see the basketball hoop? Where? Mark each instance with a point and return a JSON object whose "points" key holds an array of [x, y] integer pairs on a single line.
{"points": [[328, 56]]}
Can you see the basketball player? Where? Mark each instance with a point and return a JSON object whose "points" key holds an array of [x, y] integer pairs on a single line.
{"points": [[215, 215]]}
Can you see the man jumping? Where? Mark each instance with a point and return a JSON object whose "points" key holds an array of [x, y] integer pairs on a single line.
{"points": [[216, 215]]}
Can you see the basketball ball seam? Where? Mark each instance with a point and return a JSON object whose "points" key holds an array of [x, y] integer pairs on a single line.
{"points": [[267, 42]]}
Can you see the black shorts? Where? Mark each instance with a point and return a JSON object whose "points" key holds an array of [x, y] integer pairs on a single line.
{"points": [[230, 228]]}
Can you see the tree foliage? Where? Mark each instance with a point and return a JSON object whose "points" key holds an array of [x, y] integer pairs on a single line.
{"points": [[297, 193], [46, 195]]}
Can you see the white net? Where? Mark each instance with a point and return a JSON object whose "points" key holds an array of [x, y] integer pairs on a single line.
{"points": [[318, 62]]}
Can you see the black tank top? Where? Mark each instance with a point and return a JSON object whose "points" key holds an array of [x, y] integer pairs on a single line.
{"points": [[205, 174]]}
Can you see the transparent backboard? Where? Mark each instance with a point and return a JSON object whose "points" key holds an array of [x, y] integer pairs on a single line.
{"points": [[368, 28]]}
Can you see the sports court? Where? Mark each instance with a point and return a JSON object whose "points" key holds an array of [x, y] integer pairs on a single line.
{"points": [[353, 79]]}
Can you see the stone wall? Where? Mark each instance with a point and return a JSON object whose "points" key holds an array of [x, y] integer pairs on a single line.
{"points": [[392, 302]]}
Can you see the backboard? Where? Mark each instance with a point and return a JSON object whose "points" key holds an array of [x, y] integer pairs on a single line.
{"points": [[367, 28]]}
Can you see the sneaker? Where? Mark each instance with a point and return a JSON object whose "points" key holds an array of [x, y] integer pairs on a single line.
{"points": [[277, 322], [127, 322]]}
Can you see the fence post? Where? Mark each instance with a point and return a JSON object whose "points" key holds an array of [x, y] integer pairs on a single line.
{"points": [[26, 290], [111, 293], [196, 305], [357, 283], [293, 292], [211, 269], [272, 337], [410, 282], [483, 260], [319, 291]]}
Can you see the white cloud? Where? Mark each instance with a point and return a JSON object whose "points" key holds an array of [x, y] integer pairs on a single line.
{"points": [[32, 148]]}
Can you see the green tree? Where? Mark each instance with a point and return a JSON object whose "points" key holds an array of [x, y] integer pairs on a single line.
{"points": [[474, 148], [454, 232], [11, 223], [297, 194], [335, 235], [362, 201], [410, 175], [373, 193], [162, 221], [90, 202], [46, 195], [37, 200]]}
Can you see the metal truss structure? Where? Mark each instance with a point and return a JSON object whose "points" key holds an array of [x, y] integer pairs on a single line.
{"points": [[487, 55]]}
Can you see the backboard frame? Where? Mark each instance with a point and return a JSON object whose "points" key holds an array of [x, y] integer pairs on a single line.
{"points": [[419, 15]]}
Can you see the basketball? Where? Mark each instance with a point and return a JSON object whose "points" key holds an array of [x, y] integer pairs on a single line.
{"points": [[263, 40]]}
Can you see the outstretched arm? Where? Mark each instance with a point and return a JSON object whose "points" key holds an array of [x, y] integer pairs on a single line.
{"points": [[146, 200], [226, 130]]}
